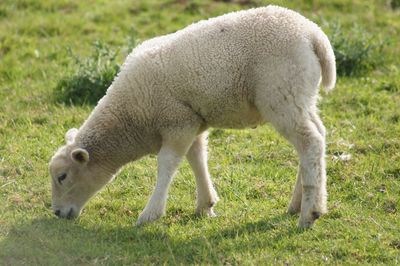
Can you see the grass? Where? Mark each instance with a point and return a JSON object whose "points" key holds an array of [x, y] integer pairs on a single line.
{"points": [[254, 170], [92, 77], [356, 52]]}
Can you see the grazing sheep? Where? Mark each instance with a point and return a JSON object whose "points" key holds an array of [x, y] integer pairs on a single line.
{"points": [[234, 71]]}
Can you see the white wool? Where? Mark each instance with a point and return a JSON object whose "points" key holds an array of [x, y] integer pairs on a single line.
{"points": [[238, 70]]}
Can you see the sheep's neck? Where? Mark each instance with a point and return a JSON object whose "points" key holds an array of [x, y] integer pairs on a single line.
{"points": [[112, 136]]}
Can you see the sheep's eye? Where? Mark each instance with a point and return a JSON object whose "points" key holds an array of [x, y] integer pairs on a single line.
{"points": [[61, 178]]}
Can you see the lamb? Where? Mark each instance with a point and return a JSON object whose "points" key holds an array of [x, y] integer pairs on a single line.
{"points": [[238, 70]]}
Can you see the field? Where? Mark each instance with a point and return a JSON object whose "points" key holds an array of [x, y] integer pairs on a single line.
{"points": [[254, 170]]}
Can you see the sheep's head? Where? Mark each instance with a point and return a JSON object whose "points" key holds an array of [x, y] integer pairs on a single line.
{"points": [[74, 178]]}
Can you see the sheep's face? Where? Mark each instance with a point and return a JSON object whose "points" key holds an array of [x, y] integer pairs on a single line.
{"points": [[74, 179]]}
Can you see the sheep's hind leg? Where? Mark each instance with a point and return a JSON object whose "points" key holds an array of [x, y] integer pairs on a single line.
{"points": [[206, 194], [168, 160], [295, 203], [310, 145], [305, 131]]}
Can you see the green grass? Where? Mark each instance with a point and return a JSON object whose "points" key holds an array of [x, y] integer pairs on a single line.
{"points": [[356, 52], [91, 79], [254, 170]]}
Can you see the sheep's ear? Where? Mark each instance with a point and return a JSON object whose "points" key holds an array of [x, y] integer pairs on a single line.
{"points": [[70, 135], [80, 156]]}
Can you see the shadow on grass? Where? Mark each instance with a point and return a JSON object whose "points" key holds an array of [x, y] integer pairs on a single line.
{"points": [[53, 242]]}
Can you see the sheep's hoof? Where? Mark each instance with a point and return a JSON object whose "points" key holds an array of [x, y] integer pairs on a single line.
{"points": [[206, 212], [305, 224], [148, 216], [206, 208], [309, 222]]}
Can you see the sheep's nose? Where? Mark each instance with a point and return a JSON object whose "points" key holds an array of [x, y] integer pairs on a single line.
{"points": [[57, 213]]}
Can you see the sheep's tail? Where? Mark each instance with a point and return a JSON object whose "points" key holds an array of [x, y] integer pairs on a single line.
{"points": [[324, 52]]}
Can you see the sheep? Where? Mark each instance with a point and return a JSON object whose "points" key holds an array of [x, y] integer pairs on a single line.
{"points": [[239, 70]]}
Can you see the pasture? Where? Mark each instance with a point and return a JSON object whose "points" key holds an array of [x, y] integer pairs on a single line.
{"points": [[47, 47]]}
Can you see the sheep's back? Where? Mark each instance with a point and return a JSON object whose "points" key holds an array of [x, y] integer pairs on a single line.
{"points": [[211, 65]]}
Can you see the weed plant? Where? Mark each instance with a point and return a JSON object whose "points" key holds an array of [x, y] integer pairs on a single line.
{"points": [[356, 51], [92, 77]]}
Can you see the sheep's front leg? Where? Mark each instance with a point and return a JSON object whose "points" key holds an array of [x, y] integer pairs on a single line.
{"points": [[168, 160], [206, 194], [175, 145]]}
